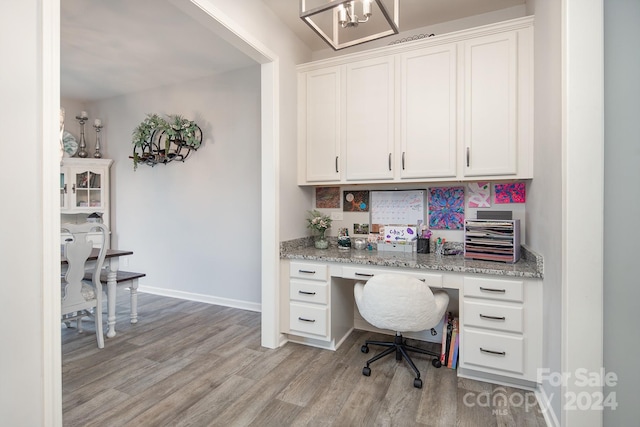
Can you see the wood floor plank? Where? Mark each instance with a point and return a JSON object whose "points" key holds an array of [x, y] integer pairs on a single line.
{"points": [[193, 364], [440, 389]]}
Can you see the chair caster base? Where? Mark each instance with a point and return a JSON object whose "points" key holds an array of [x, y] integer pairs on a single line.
{"points": [[366, 371], [436, 363], [364, 349], [417, 383]]}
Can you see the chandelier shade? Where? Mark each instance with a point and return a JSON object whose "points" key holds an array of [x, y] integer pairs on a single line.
{"points": [[345, 23]]}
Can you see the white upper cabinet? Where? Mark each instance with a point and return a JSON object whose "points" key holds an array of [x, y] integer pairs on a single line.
{"points": [[369, 119], [455, 107], [490, 92], [427, 113], [319, 123]]}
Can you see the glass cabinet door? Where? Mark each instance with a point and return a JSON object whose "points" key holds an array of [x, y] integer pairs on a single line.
{"points": [[63, 191], [88, 190]]}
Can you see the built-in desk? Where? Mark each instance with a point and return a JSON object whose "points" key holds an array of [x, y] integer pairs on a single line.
{"points": [[499, 305]]}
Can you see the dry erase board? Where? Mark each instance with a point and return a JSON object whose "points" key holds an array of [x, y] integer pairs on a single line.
{"points": [[404, 207]]}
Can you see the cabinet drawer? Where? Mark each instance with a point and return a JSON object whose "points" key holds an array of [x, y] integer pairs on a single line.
{"points": [[498, 289], [434, 280], [493, 350], [308, 271], [310, 319], [308, 291], [484, 314]]}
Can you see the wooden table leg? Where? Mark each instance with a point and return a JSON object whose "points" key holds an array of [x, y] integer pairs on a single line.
{"points": [[111, 296], [133, 289]]}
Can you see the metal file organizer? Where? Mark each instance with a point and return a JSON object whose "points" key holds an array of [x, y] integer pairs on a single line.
{"points": [[491, 239]]}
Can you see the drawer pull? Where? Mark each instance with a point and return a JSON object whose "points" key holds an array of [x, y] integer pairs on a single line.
{"points": [[302, 319], [307, 271], [499, 291], [484, 316], [497, 353], [306, 293], [364, 275]]}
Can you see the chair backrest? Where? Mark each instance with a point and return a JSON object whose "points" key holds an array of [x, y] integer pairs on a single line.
{"points": [[399, 303], [77, 251]]}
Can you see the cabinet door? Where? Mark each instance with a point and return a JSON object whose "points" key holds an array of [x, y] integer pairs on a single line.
{"points": [[428, 113], [369, 119], [320, 123], [490, 107], [87, 189], [64, 192]]}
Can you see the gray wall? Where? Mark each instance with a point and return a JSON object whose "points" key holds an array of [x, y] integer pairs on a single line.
{"points": [[194, 227], [622, 206], [544, 194]]}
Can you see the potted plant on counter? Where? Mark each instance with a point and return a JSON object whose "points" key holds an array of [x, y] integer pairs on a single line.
{"points": [[318, 223]]}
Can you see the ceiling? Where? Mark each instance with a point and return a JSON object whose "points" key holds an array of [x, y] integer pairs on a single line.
{"points": [[115, 47]]}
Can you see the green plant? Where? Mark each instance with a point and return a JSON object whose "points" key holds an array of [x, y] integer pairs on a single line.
{"points": [[147, 137], [318, 222], [179, 128]]}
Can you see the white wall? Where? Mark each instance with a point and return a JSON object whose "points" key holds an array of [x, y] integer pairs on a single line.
{"points": [[194, 227], [622, 207], [544, 197], [29, 259], [441, 28]]}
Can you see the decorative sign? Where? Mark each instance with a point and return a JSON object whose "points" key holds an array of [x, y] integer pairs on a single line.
{"points": [[398, 234]]}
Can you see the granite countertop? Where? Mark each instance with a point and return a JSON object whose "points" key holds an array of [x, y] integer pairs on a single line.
{"points": [[529, 266]]}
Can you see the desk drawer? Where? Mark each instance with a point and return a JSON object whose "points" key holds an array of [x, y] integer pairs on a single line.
{"points": [[310, 319], [308, 291], [488, 315], [434, 280], [493, 350], [498, 289], [311, 271]]}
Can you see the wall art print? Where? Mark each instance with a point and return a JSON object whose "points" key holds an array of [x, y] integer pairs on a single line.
{"points": [[328, 197], [510, 193], [479, 195], [446, 208], [355, 201]]}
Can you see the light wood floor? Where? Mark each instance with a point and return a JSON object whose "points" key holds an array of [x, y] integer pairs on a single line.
{"points": [[195, 364]]}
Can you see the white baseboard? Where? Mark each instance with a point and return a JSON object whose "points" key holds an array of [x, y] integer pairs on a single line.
{"points": [[190, 296]]}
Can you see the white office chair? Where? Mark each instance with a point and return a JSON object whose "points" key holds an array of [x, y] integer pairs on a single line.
{"points": [[80, 297], [401, 304]]}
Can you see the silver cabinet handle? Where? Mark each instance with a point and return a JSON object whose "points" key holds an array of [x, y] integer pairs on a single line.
{"points": [[364, 275], [497, 353], [484, 316], [337, 164], [468, 156], [306, 293], [73, 188], [307, 271], [302, 319], [403, 153], [65, 189], [499, 291], [389, 161]]}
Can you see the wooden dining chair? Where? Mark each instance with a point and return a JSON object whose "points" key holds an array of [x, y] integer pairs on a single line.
{"points": [[82, 298]]}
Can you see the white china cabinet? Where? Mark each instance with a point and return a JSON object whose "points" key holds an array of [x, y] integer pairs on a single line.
{"points": [[84, 189]]}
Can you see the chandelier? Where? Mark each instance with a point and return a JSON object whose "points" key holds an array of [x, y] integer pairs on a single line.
{"points": [[338, 21]]}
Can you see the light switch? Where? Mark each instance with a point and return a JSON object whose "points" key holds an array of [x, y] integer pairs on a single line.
{"points": [[336, 216]]}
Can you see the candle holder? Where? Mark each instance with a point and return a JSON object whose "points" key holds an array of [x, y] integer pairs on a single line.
{"points": [[82, 146], [97, 127]]}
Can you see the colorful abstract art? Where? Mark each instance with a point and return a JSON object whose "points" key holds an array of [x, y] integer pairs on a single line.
{"points": [[479, 195], [355, 201], [510, 193], [328, 197], [446, 208]]}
